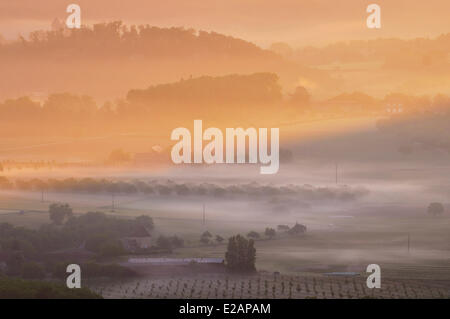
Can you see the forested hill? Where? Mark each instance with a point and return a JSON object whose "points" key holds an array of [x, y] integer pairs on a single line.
{"points": [[105, 60]]}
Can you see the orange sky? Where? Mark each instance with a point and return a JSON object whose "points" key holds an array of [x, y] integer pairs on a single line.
{"points": [[298, 22]]}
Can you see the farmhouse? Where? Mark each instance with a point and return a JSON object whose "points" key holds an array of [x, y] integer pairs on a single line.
{"points": [[297, 229], [140, 239]]}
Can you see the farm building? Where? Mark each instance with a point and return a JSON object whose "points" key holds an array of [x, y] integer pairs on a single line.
{"points": [[140, 239], [297, 229]]}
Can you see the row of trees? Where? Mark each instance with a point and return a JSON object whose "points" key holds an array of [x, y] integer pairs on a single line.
{"points": [[95, 231], [207, 238], [90, 185], [270, 233], [423, 51], [213, 98], [210, 98], [203, 93]]}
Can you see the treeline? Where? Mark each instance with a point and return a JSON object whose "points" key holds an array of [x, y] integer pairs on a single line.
{"points": [[85, 239], [158, 109], [107, 59], [114, 39], [96, 231], [171, 188], [269, 233], [396, 53], [223, 101], [213, 98], [46, 251]]}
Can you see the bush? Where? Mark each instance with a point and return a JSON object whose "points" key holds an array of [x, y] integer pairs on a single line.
{"points": [[205, 238], [58, 212], [270, 232], [164, 242], [176, 241]]}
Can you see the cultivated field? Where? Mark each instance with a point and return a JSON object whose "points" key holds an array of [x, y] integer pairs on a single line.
{"points": [[266, 285]]}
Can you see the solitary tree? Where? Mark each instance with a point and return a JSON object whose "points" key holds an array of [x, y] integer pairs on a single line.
{"points": [[205, 237], [207, 234], [270, 232], [241, 254], [145, 221], [58, 212], [176, 241], [435, 209]]}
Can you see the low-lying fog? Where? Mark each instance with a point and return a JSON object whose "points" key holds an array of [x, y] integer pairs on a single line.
{"points": [[341, 176]]}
